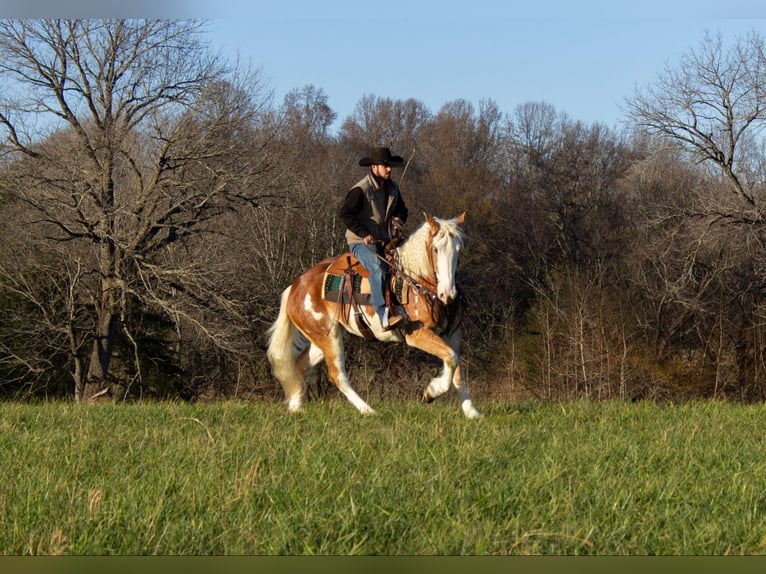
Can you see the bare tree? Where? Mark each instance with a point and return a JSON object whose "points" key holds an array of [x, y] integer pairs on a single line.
{"points": [[308, 116], [532, 135], [382, 121], [40, 318], [127, 138], [713, 105], [703, 269]]}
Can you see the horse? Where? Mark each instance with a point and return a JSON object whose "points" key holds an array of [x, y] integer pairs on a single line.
{"points": [[310, 326]]}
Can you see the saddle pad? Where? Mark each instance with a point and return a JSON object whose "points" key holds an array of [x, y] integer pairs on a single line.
{"points": [[333, 281]]}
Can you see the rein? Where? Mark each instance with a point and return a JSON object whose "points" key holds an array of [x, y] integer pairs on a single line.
{"points": [[421, 289], [391, 250]]}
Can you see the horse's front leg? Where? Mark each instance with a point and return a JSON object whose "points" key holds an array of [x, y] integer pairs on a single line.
{"points": [[451, 374], [459, 382]]}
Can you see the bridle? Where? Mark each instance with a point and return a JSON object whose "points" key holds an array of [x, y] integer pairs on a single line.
{"points": [[439, 310]]}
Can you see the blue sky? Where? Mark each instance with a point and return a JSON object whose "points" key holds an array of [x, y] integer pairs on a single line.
{"points": [[583, 56]]}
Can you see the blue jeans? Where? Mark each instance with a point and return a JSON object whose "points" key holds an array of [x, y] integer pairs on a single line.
{"points": [[368, 257]]}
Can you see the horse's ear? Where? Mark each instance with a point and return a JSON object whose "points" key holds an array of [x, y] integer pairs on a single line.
{"points": [[432, 223], [460, 219]]}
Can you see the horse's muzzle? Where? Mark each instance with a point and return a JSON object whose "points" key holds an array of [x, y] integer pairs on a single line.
{"points": [[447, 296]]}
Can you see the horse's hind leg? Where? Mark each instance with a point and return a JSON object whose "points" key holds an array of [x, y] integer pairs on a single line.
{"points": [[295, 387], [336, 370]]}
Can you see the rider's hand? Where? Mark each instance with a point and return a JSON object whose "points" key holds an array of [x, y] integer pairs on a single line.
{"points": [[369, 239]]}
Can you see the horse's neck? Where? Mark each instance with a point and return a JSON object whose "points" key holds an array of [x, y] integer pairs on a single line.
{"points": [[413, 258]]}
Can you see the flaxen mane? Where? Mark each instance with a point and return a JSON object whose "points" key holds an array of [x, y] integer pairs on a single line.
{"points": [[413, 255]]}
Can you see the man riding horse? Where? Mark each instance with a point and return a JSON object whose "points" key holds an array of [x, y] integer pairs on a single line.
{"points": [[369, 211], [311, 324]]}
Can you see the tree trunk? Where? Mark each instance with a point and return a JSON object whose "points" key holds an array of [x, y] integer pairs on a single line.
{"points": [[101, 356], [109, 316]]}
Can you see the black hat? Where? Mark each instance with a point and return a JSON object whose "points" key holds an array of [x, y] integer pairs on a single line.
{"points": [[382, 155]]}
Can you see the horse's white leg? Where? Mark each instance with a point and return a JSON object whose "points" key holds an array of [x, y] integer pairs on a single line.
{"points": [[336, 370], [466, 403], [295, 401], [451, 372], [309, 358], [459, 382], [441, 384]]}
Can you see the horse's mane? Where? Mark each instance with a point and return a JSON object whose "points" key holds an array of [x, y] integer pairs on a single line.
{"points": [[413, 254]]}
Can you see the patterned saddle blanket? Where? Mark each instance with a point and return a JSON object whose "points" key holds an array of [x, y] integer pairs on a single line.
{"points": [[347, 269]]}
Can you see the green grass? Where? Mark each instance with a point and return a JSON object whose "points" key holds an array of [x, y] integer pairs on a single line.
{"points": [[247, 478]]}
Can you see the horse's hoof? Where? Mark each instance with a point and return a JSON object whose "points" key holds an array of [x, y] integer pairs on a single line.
{"points": [[427, 398]]}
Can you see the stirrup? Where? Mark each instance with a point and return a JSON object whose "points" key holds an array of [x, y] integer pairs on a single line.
{"points": [[389, 323]]}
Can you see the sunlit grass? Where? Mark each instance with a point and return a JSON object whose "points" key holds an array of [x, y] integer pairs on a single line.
{"points": [[247, 478]]}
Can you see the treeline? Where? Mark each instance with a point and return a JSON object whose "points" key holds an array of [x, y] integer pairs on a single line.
{"points": [[156, 201]]}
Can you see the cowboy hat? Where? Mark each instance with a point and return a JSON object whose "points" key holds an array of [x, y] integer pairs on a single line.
{"points": [[382, 155]]}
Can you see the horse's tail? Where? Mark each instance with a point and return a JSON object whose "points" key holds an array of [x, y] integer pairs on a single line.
{"points": [[285, 344]]}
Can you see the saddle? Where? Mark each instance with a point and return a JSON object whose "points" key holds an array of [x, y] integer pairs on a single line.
{"points": [[347, 282], [357, 289]]}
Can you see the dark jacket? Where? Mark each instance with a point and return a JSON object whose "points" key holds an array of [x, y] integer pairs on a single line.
{"points": [[368, 208]]}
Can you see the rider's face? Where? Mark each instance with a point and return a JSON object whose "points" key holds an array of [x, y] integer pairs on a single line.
{"points": [[382, 170]]}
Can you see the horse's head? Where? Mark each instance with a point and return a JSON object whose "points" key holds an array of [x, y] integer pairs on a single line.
{"points": [[446, 242]]}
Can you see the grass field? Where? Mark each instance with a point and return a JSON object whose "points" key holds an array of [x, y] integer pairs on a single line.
{"points": [[247, 478]]}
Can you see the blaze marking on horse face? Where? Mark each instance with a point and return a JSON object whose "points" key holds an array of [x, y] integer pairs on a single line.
{"points": [[447, 248]]}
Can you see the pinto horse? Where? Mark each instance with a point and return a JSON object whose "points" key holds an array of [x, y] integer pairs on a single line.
{"points": [[310, 327]]}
